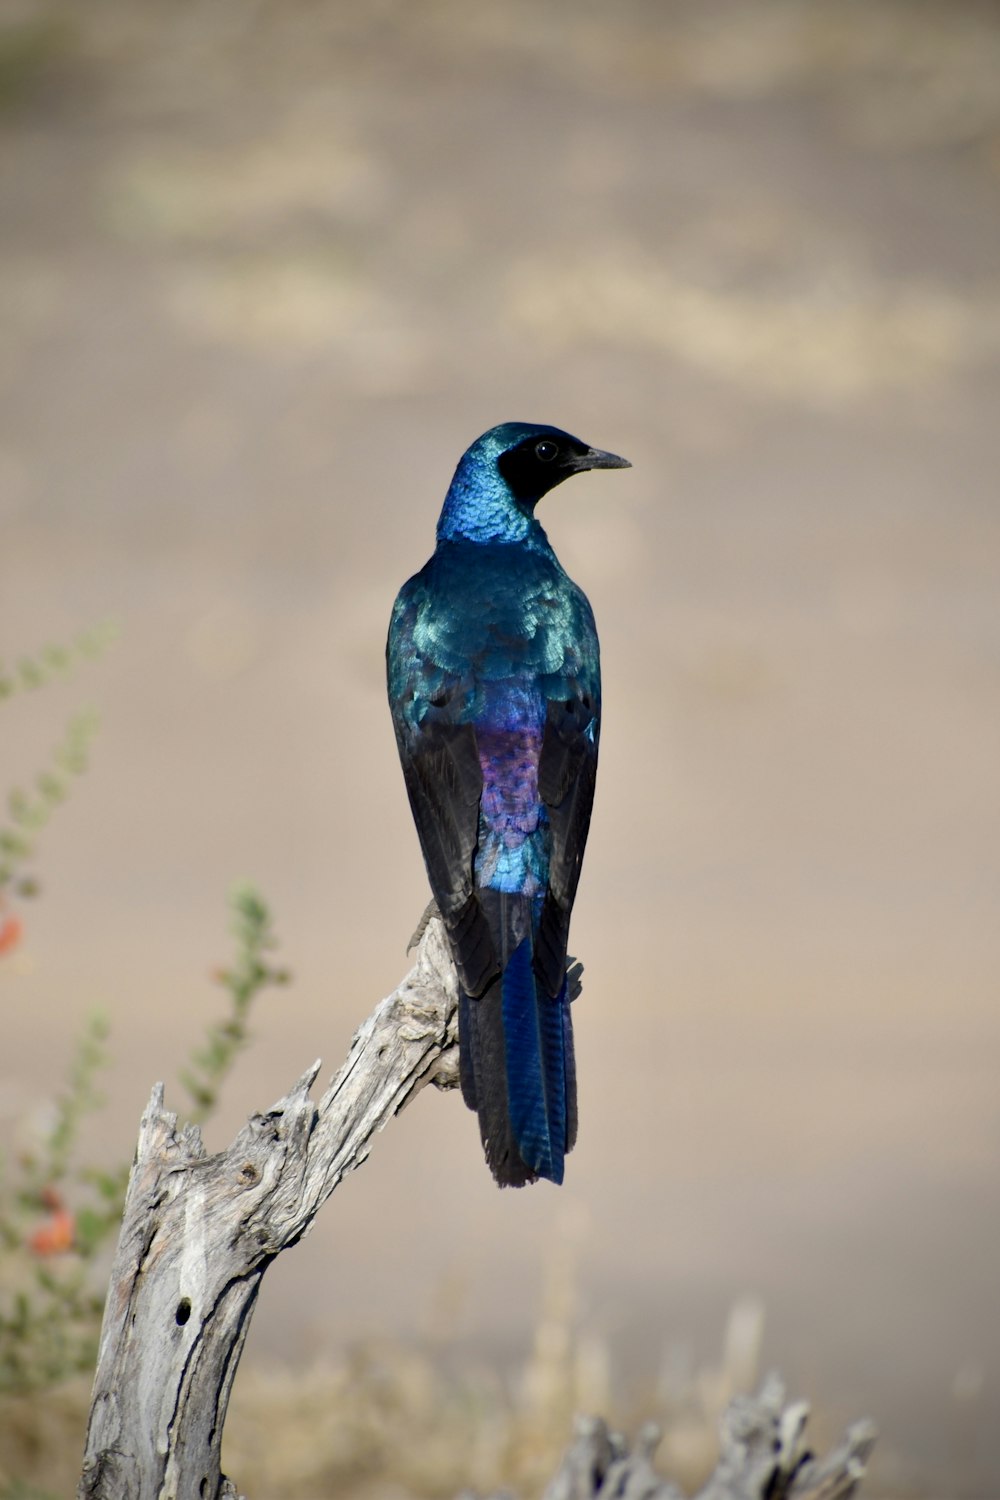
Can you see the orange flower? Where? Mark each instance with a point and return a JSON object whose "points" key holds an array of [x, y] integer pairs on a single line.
{"points": [[11, 932], [55, 1236]]}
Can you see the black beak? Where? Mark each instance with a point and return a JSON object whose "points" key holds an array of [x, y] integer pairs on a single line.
{"points": [[596, 458]]}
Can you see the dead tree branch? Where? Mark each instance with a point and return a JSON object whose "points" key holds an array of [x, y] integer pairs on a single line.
{"points": [[762, 1457], [199, 1232]]}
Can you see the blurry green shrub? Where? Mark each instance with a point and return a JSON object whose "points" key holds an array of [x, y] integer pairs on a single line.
{"points": [[57, 1211], [49, 1311], [28, 812], [250, 973]]}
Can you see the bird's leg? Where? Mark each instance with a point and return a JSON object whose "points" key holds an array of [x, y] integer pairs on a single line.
{"points": [[430, 912]]}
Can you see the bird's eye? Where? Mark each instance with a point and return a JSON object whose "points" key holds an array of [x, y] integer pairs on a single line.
{"points": [[546, 450]]}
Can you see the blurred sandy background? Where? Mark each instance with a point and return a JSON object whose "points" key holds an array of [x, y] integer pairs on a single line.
{"points": [[265, 270]]}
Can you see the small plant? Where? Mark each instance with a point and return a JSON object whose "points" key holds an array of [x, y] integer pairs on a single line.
{"points": [[56, 1214], [250, 973], [47, 1310], [29, 811], [55, 661], [49, 1313]]}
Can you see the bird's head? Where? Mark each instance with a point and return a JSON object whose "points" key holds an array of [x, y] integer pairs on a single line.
{"points": [[503, 475]]}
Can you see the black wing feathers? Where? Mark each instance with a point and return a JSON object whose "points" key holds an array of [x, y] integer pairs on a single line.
{"points": [[567, 774], [445, 782]]}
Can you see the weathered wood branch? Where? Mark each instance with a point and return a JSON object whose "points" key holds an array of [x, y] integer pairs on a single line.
{"points": [[199, 1232], [762, 1457]]}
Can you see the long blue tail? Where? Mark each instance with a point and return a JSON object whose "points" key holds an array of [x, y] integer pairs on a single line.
{"points": [[518, 1072]]}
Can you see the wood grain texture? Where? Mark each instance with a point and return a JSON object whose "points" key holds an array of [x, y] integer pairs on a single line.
{"points": [[199, 1232]]}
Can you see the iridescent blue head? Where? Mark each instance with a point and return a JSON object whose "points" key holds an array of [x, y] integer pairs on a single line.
{"points": [[502, 477]]}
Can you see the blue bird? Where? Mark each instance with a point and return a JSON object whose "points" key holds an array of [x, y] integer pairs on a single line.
{"points": [[495, 692]]}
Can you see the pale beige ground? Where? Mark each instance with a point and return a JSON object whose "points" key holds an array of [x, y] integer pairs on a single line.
{"points": [[264, 271]]}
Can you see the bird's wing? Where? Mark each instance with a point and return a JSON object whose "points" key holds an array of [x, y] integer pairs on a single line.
{"points": [[567, 774], [444, 780]]}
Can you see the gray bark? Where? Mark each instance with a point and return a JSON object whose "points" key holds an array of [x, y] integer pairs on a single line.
{"points": [[762, 1457], [199, 1232]]}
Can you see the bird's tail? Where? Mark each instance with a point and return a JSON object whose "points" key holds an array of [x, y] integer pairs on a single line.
{"points": [[518, 1073]]}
